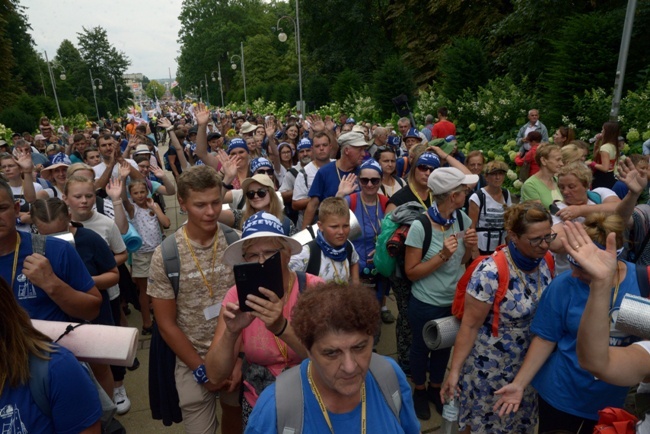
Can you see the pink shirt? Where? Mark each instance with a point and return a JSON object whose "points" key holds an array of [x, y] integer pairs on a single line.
{"points": [[259, 344]]}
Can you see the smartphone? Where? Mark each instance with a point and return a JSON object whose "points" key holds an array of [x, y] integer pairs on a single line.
{"points": [[553, 208], [249, 276]]}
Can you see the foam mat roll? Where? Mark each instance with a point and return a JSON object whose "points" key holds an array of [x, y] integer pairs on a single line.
{"points": [[634, 316], [441, 333], [94, 343]]}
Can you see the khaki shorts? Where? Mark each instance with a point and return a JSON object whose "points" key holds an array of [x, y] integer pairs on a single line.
{"points": [[140, 263]]}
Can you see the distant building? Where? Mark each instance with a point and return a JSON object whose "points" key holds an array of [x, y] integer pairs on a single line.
{"points": [[134, 81]]}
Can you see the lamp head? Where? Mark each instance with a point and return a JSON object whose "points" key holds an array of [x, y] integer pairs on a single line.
{"points": [[233, 66], [62, 76], [282, 37]]}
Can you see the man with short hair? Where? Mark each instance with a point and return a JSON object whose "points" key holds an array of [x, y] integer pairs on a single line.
{"points": [[293, 174], [379, 139], [53, 286], [533, 124], [77, 148], [187, 320], [111, 158], [443, 127], [37, 159], [335, 178], [428, 127]]}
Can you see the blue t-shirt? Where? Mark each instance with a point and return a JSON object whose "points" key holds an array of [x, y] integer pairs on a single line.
{"points": [[561, 381], [379, 417], [327, 180], [370, 222], [66, 264], [73, 399]]}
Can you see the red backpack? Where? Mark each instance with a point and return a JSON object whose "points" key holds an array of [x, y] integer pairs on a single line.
{"points": [[499, 257]]}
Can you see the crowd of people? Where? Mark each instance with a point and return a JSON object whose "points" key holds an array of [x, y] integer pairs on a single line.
{"points": [[249, 186]]}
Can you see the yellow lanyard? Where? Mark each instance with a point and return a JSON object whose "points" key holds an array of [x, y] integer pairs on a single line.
{"points": [[418, 197], [377, 204], [323, 409], [196, 261], [521, 277], [15, 267], [336, 273], [281, 345]]}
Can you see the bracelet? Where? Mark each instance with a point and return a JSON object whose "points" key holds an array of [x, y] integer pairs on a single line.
{"points": [[286, 323], [169, 128], [199, 375], [228, 186], [117, 202], [443, 257]]}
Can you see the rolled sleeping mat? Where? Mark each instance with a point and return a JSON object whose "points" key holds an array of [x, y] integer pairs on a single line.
{"points": [[93, 342], [132, 239], [634, 316], [309, 234], [441, 333]]}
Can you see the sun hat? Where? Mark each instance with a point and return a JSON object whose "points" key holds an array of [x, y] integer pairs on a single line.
{"points": [[46, 172], [496, 166], [259, 225], [261, 179], [353, 139], [39, 137], [446, 179], [142, 149], [258, 163], [247, 127]]}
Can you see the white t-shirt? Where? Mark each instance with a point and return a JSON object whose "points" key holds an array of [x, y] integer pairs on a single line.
{"points": [[101, 168], [330, 270], [107, 229], [301, 189], [491, 216]]}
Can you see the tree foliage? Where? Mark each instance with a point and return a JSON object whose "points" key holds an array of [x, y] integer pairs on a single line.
{"points": [[154, 89], [464, 65]]}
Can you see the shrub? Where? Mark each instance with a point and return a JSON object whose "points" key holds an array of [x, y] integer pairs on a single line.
{"points": [[392, 79], [464, 65], [16, 119], [346, 82]]}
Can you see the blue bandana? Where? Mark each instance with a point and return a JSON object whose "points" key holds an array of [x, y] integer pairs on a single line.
{"points": [[60, 158], [261, 221], [338, 254], [437, 218], [236, 143], [260, 162], [350, 121], [429, 159], [522, 261], [371, 163], [393, 141], [304, 144]]}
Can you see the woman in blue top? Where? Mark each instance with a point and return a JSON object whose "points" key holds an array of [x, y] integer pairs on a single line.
{"points": [[569, 396]]}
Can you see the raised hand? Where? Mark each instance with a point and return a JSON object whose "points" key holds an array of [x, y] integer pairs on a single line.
{"points": [[114, 188], [202, 115], [24, 160], [124, 170], [635, 179], [599, 264], [348, 185], [235, 319], [164, 122], [268, 311], [228, 164], [269, 128], [158, 172]]}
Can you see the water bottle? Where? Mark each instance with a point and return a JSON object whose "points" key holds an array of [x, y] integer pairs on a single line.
{"points": [[450, 418]]}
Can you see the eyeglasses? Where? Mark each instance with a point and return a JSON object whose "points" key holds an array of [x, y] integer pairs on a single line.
{"points": [[255, 257], [373, 181], [548, 239], [260, 193], [425, 168], [264, 171]]}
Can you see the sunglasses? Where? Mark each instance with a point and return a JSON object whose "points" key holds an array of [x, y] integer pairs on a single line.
{"points": [[425, 168], [264, 171], [260, 193], [373, 181]]}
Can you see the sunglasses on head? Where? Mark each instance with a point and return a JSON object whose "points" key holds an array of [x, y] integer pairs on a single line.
{"points": [[264, 171], [425, 168], [260, 193], [373, 181]]}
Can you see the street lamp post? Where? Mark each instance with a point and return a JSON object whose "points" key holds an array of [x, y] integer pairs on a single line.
{"points": [[220, 82], [117, 98], [207, 93], [92, 82], [283, 37], [201, 83], [62, 77], [233, 65], [622, 59]]}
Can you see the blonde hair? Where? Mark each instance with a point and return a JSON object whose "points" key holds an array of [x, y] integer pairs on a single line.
{"points": [[333, 206], [571, 153], [77, 180], [275, 206], [76, 167], [414, 155], [579, 170], [543, 151], [598, 225]]}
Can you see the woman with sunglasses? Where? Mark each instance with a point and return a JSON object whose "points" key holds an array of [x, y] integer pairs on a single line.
{"points": [[259, 195], [264, 338], [569, 396], [483, 362], [390, 182]]}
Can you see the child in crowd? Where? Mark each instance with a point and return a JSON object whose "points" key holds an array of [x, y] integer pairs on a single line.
{"points": [[330, 256], [147, 217]]}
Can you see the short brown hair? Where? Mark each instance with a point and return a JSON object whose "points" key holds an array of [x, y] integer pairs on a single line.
{"points": [[197, 178], [519, 216], [333, 206], [48, 210], [333, 307]]}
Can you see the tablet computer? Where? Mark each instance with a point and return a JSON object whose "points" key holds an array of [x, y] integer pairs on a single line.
{"points": [[249, 276]]}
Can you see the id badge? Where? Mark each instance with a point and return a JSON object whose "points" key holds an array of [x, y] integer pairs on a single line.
{"points": [[212, 312]]}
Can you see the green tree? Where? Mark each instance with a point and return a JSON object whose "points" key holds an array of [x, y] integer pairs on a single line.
{"points": [[346, 82], [392, 79], [464, 65], [155, 89]]}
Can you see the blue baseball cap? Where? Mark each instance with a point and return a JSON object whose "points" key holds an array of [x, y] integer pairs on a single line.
{"points": [[393, 141], [235, 143], [304, 144], [259, 225]]}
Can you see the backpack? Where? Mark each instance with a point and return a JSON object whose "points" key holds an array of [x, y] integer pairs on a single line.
{"points": [[499, 257], [481, 208], [354, 199], [289, 399], [163, 395], [313, 266], [594, 197], [405, 168], [613, 420]]}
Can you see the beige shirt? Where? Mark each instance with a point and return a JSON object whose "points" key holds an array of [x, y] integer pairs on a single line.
{"points": [[193, 295]]}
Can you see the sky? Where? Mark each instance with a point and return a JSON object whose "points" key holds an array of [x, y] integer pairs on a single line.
{"points": [[145, 30]]}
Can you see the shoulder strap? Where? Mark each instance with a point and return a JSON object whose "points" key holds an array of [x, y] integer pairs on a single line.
{"points": [[349, 249], [313, 266], [286, 225], [595, 197], [294, 172], [426, 224], [99, 202], [304, 174], [229, 233], [506, 194], [405, 166], [481, 201], [289, 402], [386, 378], [504, 281], [171, 261], [353, 201], [643, 279], [459, 219], [302, 281], [39, 383], [383, 202]]}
